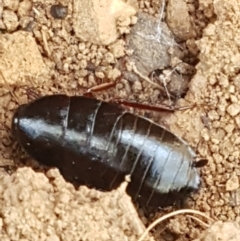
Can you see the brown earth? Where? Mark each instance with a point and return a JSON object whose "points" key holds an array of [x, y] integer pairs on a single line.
{"points": [[45, 55]]}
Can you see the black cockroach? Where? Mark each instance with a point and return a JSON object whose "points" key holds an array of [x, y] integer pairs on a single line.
{"points": [[97, 143]]}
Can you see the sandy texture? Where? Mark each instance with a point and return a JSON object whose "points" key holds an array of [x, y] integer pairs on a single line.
{"points": [[40, 207], [220, 231], [27, 65], [33, 41]]}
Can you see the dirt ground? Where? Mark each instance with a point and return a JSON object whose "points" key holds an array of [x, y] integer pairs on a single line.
{"points": [[185, 51]]}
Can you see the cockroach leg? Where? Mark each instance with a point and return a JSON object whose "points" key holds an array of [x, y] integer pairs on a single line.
{"points": [[7, 85], [158, 108], [5, 127], [32, 93], [5, 144], [89, 93], [143, 106], [103, 86], [10, 169], [6, 157]]}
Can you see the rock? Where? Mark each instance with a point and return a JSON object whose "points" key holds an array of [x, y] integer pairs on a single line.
{"points": [[91, 24]]}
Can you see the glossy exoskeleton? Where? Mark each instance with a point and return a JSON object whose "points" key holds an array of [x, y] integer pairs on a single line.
{"points": [[97, 143]]}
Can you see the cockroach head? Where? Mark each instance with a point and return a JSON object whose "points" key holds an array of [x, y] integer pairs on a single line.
{"points": [[19, 113]]}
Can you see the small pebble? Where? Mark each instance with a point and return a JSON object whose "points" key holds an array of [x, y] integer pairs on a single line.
{"points": [[232, 183], [233, 109], [59, 11]]}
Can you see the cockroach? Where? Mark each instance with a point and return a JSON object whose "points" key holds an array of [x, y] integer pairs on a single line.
{"points": [[96, 143]]}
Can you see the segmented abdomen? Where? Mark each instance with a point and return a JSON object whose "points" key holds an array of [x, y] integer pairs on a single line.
{"points": [[159, 162]]}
